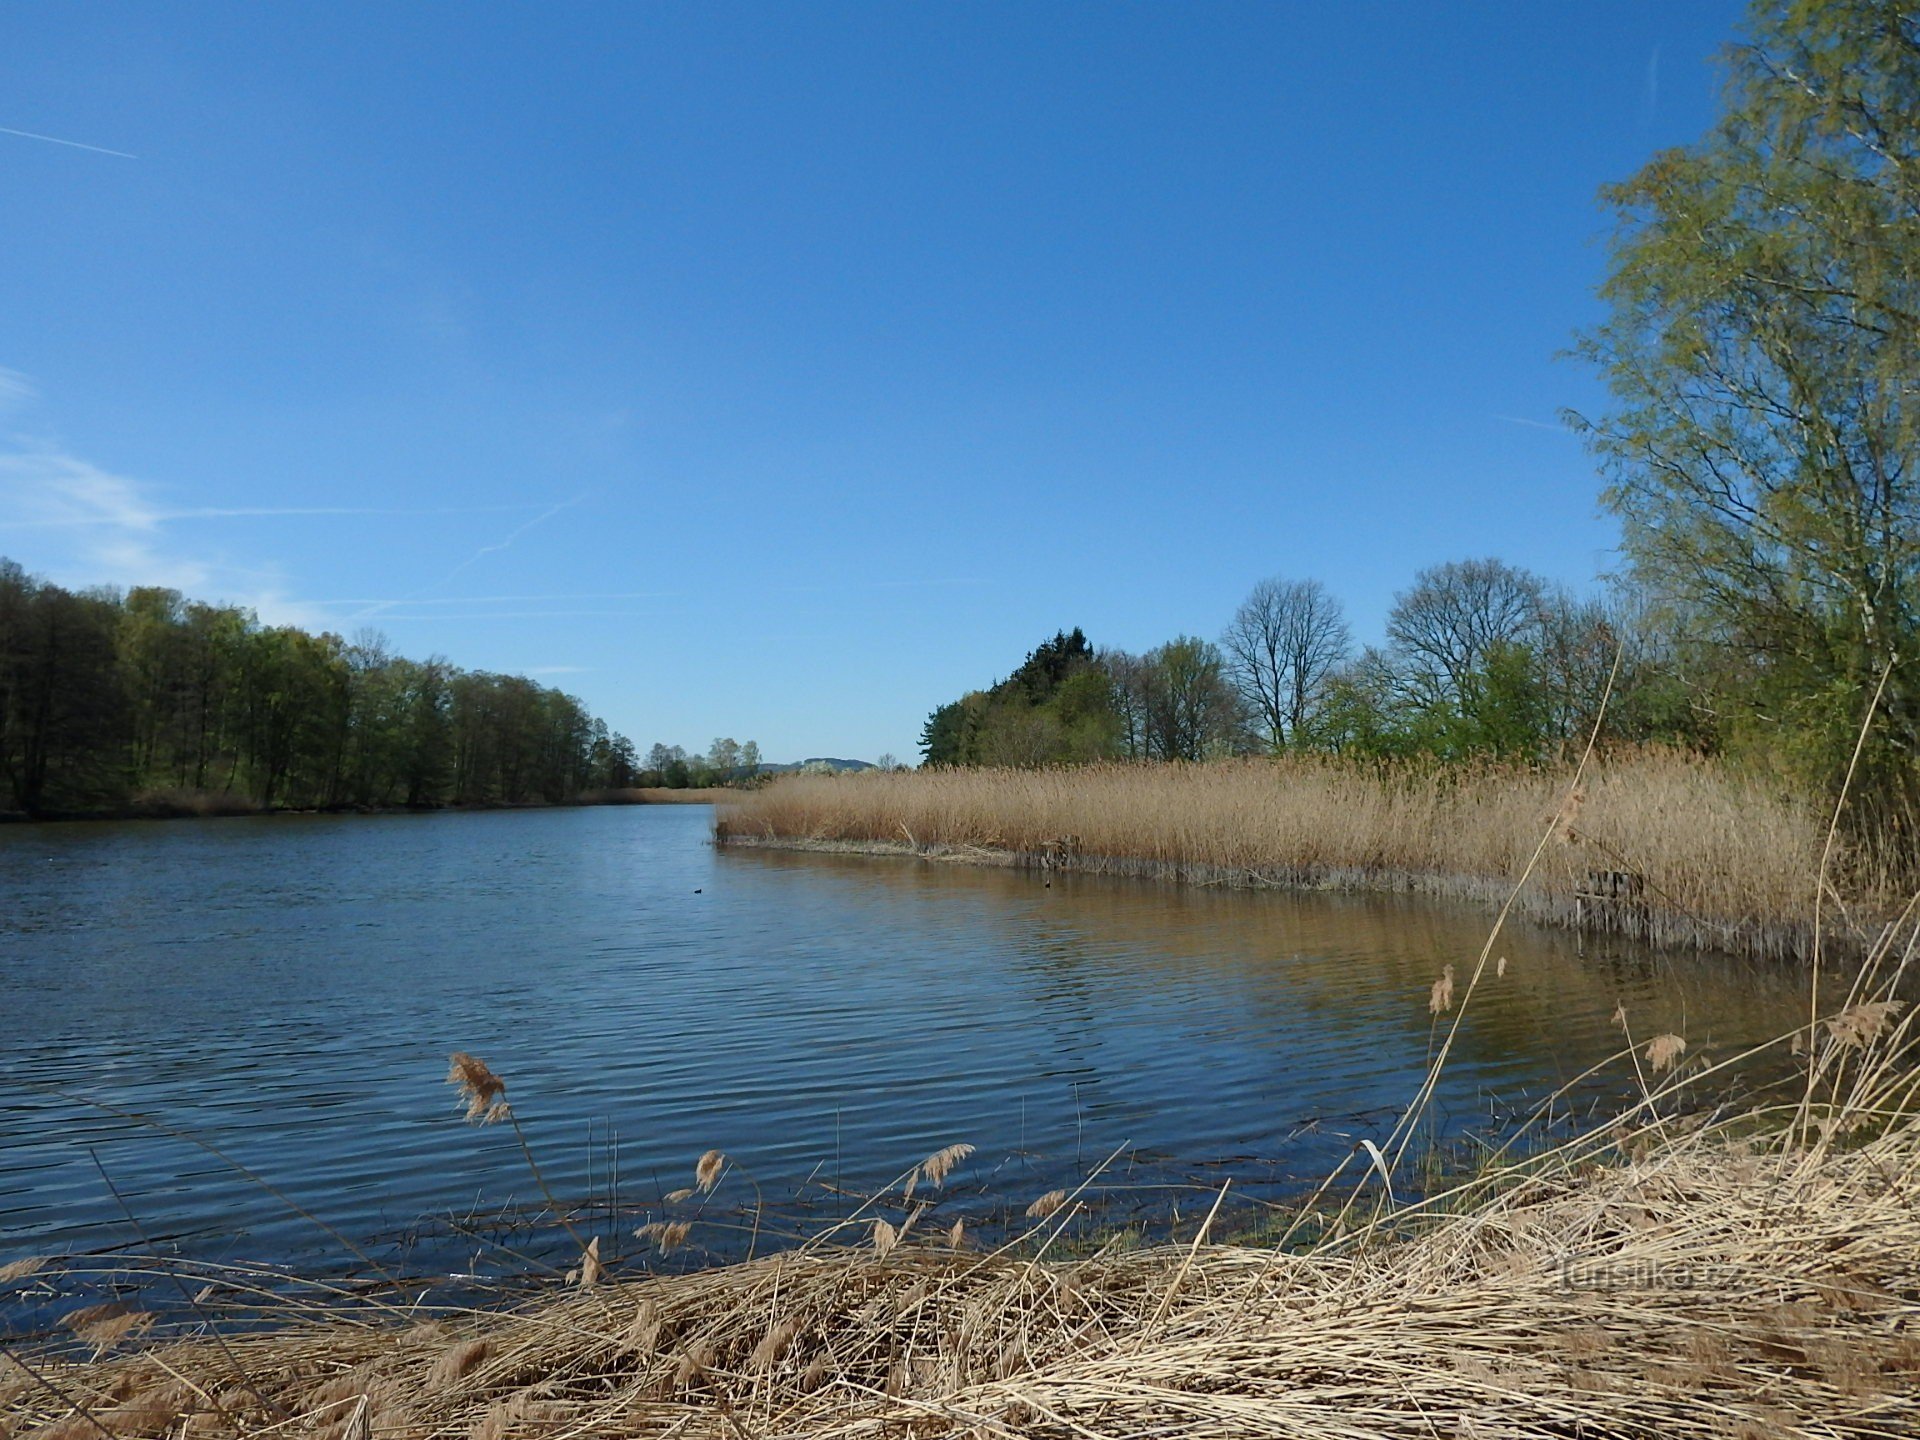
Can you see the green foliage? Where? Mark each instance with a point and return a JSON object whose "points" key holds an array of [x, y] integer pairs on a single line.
{"points": [[1056, 708], [1762, 348], [103, 697]]}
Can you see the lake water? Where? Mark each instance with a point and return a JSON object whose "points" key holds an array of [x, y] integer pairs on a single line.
{"points": [[287, 990]]}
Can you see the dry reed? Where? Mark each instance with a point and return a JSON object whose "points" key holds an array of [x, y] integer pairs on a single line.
{"points": [[1706, 856]]}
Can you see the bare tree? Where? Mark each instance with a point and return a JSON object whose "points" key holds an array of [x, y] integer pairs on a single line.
{"points": [[1284, 641], [1446, 625]]}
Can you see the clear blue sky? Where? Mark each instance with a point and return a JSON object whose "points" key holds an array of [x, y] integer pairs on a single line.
{"points": [[781, 371]]}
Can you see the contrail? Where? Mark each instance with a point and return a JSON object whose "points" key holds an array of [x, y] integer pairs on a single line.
{"points": [[477, 556], [1535, 424], [76, 144]]}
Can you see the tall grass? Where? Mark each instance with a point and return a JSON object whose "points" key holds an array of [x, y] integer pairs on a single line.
{"points": [[1717, 858]]}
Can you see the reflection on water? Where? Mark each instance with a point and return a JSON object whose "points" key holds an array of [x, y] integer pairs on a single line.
{"points": [[288, 990]]}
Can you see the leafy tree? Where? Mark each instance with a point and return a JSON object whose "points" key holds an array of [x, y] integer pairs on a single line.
{"points": [[1048, 665], [1763, 326], [1192, 711]]}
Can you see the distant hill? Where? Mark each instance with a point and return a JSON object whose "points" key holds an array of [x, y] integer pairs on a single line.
{"points": [[818, 760]]}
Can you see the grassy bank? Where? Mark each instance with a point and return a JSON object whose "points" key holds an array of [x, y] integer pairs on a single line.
{"points": [[1712, 858], [1751, 1276]]}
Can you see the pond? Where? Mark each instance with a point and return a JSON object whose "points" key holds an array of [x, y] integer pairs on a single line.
{"points": [[285, 991]]}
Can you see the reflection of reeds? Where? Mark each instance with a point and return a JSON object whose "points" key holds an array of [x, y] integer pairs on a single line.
{"points": [[1713, 857]]}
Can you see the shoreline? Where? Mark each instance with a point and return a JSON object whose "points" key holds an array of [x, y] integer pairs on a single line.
{"points": [[1649, 923], [1680, 851], [215, 806], [1607, 1289]]}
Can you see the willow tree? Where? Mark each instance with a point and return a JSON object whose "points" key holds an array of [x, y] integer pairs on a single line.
{"points": [[1763, 353]]}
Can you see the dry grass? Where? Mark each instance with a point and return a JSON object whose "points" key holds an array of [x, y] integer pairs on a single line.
{"points": [[1720, 859]]}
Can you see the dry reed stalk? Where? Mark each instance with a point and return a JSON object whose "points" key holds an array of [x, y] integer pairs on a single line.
{"points": [[1721, 857]]}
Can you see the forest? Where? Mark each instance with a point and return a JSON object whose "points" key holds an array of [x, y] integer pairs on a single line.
{"points": [[146, 702]]}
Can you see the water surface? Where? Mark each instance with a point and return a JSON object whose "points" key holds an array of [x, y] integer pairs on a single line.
{"points": [[288, 989]]}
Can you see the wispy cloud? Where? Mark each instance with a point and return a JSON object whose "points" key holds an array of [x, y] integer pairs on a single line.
{"points": [[72, 144], [17, 391], [838, 586], [1651, 102], [249, 512], [397, 616], [98, 527], [510, 599], [557, 670]]}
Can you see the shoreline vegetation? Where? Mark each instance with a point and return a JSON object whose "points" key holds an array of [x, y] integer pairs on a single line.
{"points": [[1661, 846], [226, 804], [1682, 1274]]}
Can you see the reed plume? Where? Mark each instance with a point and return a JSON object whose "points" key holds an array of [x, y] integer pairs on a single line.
{"points": [[937, 1166], [1664, 1052], [1860, 1025], [484, 1092], [21, 1269], [1046, 1205], [667, 1235]]}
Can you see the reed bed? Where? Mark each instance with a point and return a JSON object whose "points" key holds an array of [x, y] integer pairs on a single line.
{"points": [[1709, 857]]}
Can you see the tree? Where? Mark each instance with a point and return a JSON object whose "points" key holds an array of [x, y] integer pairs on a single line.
{"points": [[723, 757], [1763, 325], [1191, 709], [1056, 708], [1446, 625], [1285, 639], [1049, 664], [750, 758]]}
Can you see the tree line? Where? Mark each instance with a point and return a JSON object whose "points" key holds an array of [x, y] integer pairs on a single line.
{"points": [[1481, 658], [108, 700], [1761, 448]]}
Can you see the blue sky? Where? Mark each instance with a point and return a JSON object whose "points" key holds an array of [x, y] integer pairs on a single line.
{"points": [[782, 371]]}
